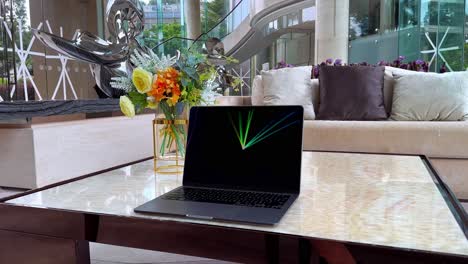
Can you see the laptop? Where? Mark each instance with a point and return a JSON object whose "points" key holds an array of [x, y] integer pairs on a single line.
{"points": [[242, 164]]}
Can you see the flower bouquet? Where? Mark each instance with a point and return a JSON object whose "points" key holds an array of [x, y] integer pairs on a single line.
{"points": [[169, 85]]}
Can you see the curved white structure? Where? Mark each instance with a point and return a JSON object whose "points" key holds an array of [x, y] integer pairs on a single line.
{"points": [[267, 22]]}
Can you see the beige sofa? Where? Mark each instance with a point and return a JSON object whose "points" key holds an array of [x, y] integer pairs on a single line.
{"points": [[444, 143]]}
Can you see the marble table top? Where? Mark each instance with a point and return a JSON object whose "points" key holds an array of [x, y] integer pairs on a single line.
{"points": [[373, 199]]}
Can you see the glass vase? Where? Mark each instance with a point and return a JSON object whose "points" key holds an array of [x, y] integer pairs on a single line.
{"points": [[170, 137]]}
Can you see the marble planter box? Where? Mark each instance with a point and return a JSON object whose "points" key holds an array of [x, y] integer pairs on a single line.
{"points": [[36, 155]]}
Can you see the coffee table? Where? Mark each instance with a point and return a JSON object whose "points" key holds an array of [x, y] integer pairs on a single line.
{"points": [[353, 207]]}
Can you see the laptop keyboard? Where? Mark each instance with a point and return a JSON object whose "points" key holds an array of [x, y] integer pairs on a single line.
{"points": [[242, 198]]}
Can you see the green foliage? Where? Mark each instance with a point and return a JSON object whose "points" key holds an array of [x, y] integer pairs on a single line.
{"points": [[169, 30], [213, 12], [466, 56], [453, 57], [20, 14], [191, 95], [231, 60], [208, 74], [139, 100], [190, 79]]}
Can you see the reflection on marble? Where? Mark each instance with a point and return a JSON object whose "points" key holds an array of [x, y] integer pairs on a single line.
{"points": [[5, 192], [373, 199]]}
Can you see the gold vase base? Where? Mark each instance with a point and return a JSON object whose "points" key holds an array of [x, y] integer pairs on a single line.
{"points": [[169, 169]]}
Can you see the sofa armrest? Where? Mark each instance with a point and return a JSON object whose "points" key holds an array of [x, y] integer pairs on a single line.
{"points": [[234, 100]]}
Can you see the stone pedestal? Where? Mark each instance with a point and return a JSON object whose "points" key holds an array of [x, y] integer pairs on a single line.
{"points": [[37, 155]]}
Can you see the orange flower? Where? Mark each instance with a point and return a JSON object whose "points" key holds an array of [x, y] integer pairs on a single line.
{"points": [[166, 86]]}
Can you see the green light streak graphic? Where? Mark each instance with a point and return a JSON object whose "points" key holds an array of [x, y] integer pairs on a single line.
{"points": [[235, 129], [264, 133], [249, 120]]}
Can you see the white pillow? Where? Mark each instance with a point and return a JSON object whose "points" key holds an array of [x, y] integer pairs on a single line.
{"points": [[257, 91], [400, 72], [315, 94], [289, 86], [431, 97], [391, 73]]}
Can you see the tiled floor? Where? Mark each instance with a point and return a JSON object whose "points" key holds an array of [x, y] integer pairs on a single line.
{"points": [[105, 254]]}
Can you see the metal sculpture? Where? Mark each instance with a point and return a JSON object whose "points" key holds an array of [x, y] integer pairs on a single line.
{"points": [[108, 58], [214, 48], [223, 81]]}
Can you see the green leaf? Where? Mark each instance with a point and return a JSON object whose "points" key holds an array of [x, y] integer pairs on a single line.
{"points": [[139, 100], [184, 81]]}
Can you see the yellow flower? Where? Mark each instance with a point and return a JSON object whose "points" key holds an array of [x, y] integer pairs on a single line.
{"points": [[142, 80], [126, 106]]}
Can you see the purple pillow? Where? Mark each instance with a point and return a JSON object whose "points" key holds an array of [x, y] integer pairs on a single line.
{"points": [[351, 93]]}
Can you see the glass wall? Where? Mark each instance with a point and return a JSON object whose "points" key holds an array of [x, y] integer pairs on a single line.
{"points": [[373, 30], [213, 12], [436, 33], [432, 30], [30, 71], [292, 48], [163, 21], [408, 34]]}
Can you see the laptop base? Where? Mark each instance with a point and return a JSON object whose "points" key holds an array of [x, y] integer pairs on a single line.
{"points": [[215, 211]]}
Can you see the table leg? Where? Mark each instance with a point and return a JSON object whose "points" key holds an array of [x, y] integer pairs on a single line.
{"points": [[307, 254], [16, 247], [272, 248]]}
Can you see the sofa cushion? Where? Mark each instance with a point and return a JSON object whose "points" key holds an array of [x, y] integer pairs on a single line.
{"points": [[434, 139], [233, 100], [401, 72], [351, 93], [289, 86], [431, 97], [454, 172], [389, 84], [315, 94], [257, 90]]}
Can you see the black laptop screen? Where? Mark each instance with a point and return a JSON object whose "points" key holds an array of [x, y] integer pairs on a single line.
{"points": [[256, 148]]}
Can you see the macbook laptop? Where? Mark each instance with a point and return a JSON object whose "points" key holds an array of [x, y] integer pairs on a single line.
{"points": [[242, 164]]}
